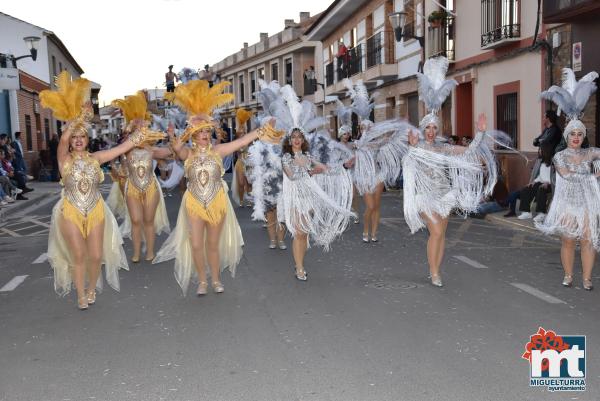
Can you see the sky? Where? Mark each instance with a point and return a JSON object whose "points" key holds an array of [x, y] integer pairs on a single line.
{"points": [[127, 45]]}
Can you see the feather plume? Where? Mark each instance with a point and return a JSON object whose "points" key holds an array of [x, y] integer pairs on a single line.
{"points": [[134, 107], [242, 116], [344, 114], [197, 98], [434, 88], [362, 103], [573, 95], [67, 100], [188, 74]]}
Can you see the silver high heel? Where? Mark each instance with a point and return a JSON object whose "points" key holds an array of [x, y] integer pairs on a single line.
{"points": [[436, 280], [365, 237], [202, 288], [218, 287], [587, 284], [567, 281], [273, 244], [282, 245], [301, 274]]}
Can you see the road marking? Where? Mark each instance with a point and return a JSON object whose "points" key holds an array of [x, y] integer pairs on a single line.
{"points": [[41, 259], [470, 262], [36, 221], [14, 283], [459, 233], [538, 294], [10, 232]]}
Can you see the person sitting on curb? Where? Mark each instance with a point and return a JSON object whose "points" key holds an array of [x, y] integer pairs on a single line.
{"points": [[539, 187]]}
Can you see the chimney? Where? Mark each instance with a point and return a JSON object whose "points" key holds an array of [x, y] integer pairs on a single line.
{"points": [[304, 15], [289, 23], [245, 45], [264, 36]]}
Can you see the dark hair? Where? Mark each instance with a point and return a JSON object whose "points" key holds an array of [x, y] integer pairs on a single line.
{"points": [[3, 136], [287, 144], [551, 115], [546, 153], [17, 134]]}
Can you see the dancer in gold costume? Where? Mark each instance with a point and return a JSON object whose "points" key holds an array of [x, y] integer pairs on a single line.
{"points": [[83, 232], [207, 229], [147, 214], [240, 184]]}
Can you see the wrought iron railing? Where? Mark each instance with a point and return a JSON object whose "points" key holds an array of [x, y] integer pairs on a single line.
{"points": [[381, 49], [554, 8], [441, 39], [500, 19], [350, 64]]}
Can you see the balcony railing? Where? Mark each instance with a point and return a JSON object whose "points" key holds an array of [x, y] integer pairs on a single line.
{"points": [[500, 20], [566, 10], [329, 78], [310, 86], [441, 39], [350, 64], [380, 49]]}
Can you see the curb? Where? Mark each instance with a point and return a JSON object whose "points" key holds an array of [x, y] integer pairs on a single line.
{"points": [[19, 206], [513, 224]]}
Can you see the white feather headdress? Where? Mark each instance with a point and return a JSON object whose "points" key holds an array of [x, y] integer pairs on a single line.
{"points": [[572, 97], [362, 102], [434, 88], [291, 114], [187, 74], [344, 114]]}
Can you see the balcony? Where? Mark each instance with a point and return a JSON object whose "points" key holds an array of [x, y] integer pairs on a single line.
{"points": [[310, 86], [381, 58], [556, 11], [350, 64], [500, 23], [440, 39]]}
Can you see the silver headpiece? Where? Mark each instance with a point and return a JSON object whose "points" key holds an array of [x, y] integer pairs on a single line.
{"points": [[434, 88]]}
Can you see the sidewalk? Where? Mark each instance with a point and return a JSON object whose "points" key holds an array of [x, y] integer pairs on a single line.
{"points": [[498, 218], [41, 192]]}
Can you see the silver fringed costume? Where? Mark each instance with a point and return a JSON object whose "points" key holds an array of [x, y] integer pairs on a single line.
{"points": [[439, 177], [575, 209], [319, 205]]}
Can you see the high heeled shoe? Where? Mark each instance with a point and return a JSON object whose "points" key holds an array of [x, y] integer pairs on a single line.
{"points": [[91, 297], [587, 284], [218, 287], [374, 238], [301, 274], [365, 237], [82, 303], [282, 245], [202, 288], [436, 280], [567, 281], [135, 259], [273, 244]]}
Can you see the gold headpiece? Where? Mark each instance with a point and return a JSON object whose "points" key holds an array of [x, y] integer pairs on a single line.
{"points": [[134, 107], [68, 100], [242, 116]]}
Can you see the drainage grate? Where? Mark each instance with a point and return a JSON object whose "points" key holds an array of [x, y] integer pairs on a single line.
{"points": [[392, 285]]}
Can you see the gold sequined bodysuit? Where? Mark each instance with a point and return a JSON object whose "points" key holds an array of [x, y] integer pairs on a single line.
{"points": [[82, 202], [205, 197], [140, 183]]}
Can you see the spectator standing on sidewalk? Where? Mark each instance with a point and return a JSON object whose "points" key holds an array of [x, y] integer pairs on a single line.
{"points": [[552, 134], [19, 161], [53, 147]]}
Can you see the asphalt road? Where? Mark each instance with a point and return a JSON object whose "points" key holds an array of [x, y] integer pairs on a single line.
{"points": [[365, 326]]}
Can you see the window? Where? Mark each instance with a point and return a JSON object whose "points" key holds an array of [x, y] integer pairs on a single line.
{"points": [[413, 109], [60, 67], [54, 66], [253, 84], [261, 73], [59, 127], [353, 37], [288, 71], [499, 21], [274, 72], [242, 89], [29, 139], [390, 108], [507, 109]]}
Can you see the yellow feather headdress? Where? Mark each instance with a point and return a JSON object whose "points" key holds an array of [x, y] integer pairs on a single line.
{"points": [[134, 107], [66, 102], [197, 98], [242, 116]]}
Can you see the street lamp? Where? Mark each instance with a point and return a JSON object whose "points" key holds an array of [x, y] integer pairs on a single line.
{"points": [[31, 44], [398, 21]]}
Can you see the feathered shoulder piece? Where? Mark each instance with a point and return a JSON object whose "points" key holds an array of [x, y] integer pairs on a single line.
{"points": [[197, 98], [362, 103], [434, 88], [572, 96], [242, 116], [134, 107], [66, 102]]}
